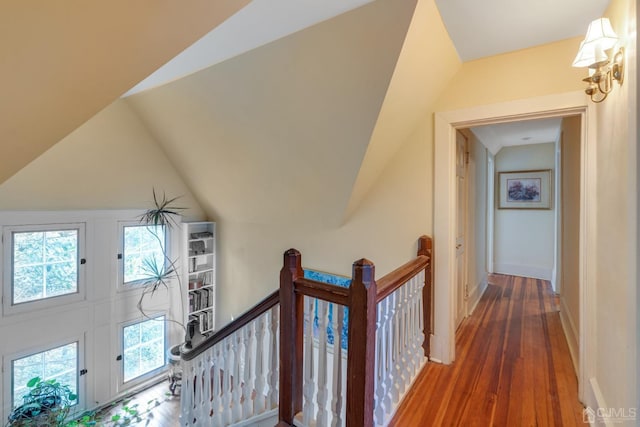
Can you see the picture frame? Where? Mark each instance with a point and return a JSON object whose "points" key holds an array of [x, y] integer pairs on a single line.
{"points": [[527, 189]]}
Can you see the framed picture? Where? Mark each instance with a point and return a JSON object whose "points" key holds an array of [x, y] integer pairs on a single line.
{"points": [[524, 189]]}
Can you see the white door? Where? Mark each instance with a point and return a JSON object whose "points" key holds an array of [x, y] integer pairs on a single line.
{"points": [[461, 222]]}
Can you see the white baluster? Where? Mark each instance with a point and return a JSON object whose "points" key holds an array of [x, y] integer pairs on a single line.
{"points": [[396, 352], [186, 393], [274, 358], [236, 395], [259, 402], [389, 338], [406, 366], [218, 364], [248, 335], [322, 393], [227, 386], [207, 392], [308, 356], [199, 400], [410, 286], [420, 332], [336, 405], [380, 368]]}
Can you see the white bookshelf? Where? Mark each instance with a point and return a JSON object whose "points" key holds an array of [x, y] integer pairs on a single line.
{"points": [[200, 272]]}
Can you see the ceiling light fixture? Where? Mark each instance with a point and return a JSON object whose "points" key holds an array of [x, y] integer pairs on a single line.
{"points": [[602, 72]]}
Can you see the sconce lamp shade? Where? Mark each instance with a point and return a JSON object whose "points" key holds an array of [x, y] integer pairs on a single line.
{"points": [[600, 37]]}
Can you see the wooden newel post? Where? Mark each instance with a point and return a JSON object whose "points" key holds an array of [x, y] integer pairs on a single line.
{"points": [[425, 247], [362, 342], [291, 339]]}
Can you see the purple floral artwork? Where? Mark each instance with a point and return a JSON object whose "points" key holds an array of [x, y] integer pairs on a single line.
{"points": [[524, 190]]}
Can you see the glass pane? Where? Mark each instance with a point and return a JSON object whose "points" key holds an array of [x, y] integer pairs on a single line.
{"points": [[143, 246], [62, 278], [45, 264], [60, 363], [144, 347], [27, 283]]}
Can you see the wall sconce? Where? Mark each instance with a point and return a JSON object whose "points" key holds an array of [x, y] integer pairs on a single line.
{"points": [[602, 72]]}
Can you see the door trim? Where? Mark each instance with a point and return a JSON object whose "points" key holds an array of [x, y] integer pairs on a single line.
{"points": [[446, 123]]}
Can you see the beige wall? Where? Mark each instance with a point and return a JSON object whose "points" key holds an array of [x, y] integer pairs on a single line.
{"points": [[538, 71], [524, 239], [570, 230], [110, 162], [384, 229], [616, 371]]}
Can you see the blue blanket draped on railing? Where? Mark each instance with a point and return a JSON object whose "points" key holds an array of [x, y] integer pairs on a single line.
{"points": [[336, 280]]}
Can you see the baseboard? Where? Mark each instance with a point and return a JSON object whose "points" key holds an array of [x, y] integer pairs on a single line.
{"points": [[476, 294], [594, 401], [436, 349], [524, 271], [571, 333]]}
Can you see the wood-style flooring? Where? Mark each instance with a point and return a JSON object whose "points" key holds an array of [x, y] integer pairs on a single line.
{"points": [[512, 366]]}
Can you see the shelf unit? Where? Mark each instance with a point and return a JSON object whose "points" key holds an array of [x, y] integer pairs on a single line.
{"points": [[200, 273]]}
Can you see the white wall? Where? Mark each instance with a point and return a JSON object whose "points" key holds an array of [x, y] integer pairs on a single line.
{"points": [[524, 239], [476, 221], [95, 319]]}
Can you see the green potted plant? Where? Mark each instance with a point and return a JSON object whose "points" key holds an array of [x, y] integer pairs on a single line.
{"points": [[46, 404]]}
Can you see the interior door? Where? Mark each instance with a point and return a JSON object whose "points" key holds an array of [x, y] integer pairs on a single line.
{"points": [[461, 222]]}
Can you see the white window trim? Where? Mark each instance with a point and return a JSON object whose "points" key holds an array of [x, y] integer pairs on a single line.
{"points": [[8, 373], [7, 300], [122, 385], [127, 287]]}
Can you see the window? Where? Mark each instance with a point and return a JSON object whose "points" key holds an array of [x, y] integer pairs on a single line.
{"points": [[143, 347], [44, 262], [143, 248], [60, 363]]}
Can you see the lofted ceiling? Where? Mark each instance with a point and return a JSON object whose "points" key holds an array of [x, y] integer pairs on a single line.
{"points": [[260, 22], [278, 134], [63, 62]]}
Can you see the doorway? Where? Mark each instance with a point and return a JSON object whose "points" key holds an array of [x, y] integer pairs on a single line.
{"points": [[446, 124]]}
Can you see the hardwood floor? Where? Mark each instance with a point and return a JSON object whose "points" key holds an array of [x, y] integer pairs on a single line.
{"points": [[512, 366], [155, 405]]}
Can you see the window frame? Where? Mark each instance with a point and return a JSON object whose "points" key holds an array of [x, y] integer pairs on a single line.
{"points": [[129, 286], [9, 359], [8, 265], [123, 385]]}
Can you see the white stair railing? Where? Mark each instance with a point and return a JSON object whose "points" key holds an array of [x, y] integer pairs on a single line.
{"points": [[325, 367], [235, 378], [399, 352]]}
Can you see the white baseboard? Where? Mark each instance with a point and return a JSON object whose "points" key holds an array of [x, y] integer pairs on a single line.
{"points": [[571, 333], [476, 294], [524, 271], [593, 402], [436, 349]]}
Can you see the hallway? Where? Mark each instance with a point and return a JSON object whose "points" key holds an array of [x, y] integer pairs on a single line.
{"points": [[512, 366]]}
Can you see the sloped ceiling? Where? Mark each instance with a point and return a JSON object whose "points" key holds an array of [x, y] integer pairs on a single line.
{"points": [[62, 62], [260, 22], [279, 133], [427, 63]]}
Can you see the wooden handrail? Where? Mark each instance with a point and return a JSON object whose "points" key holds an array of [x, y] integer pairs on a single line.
{"points": [[246, 318], [398, 277], [323, 291]]}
